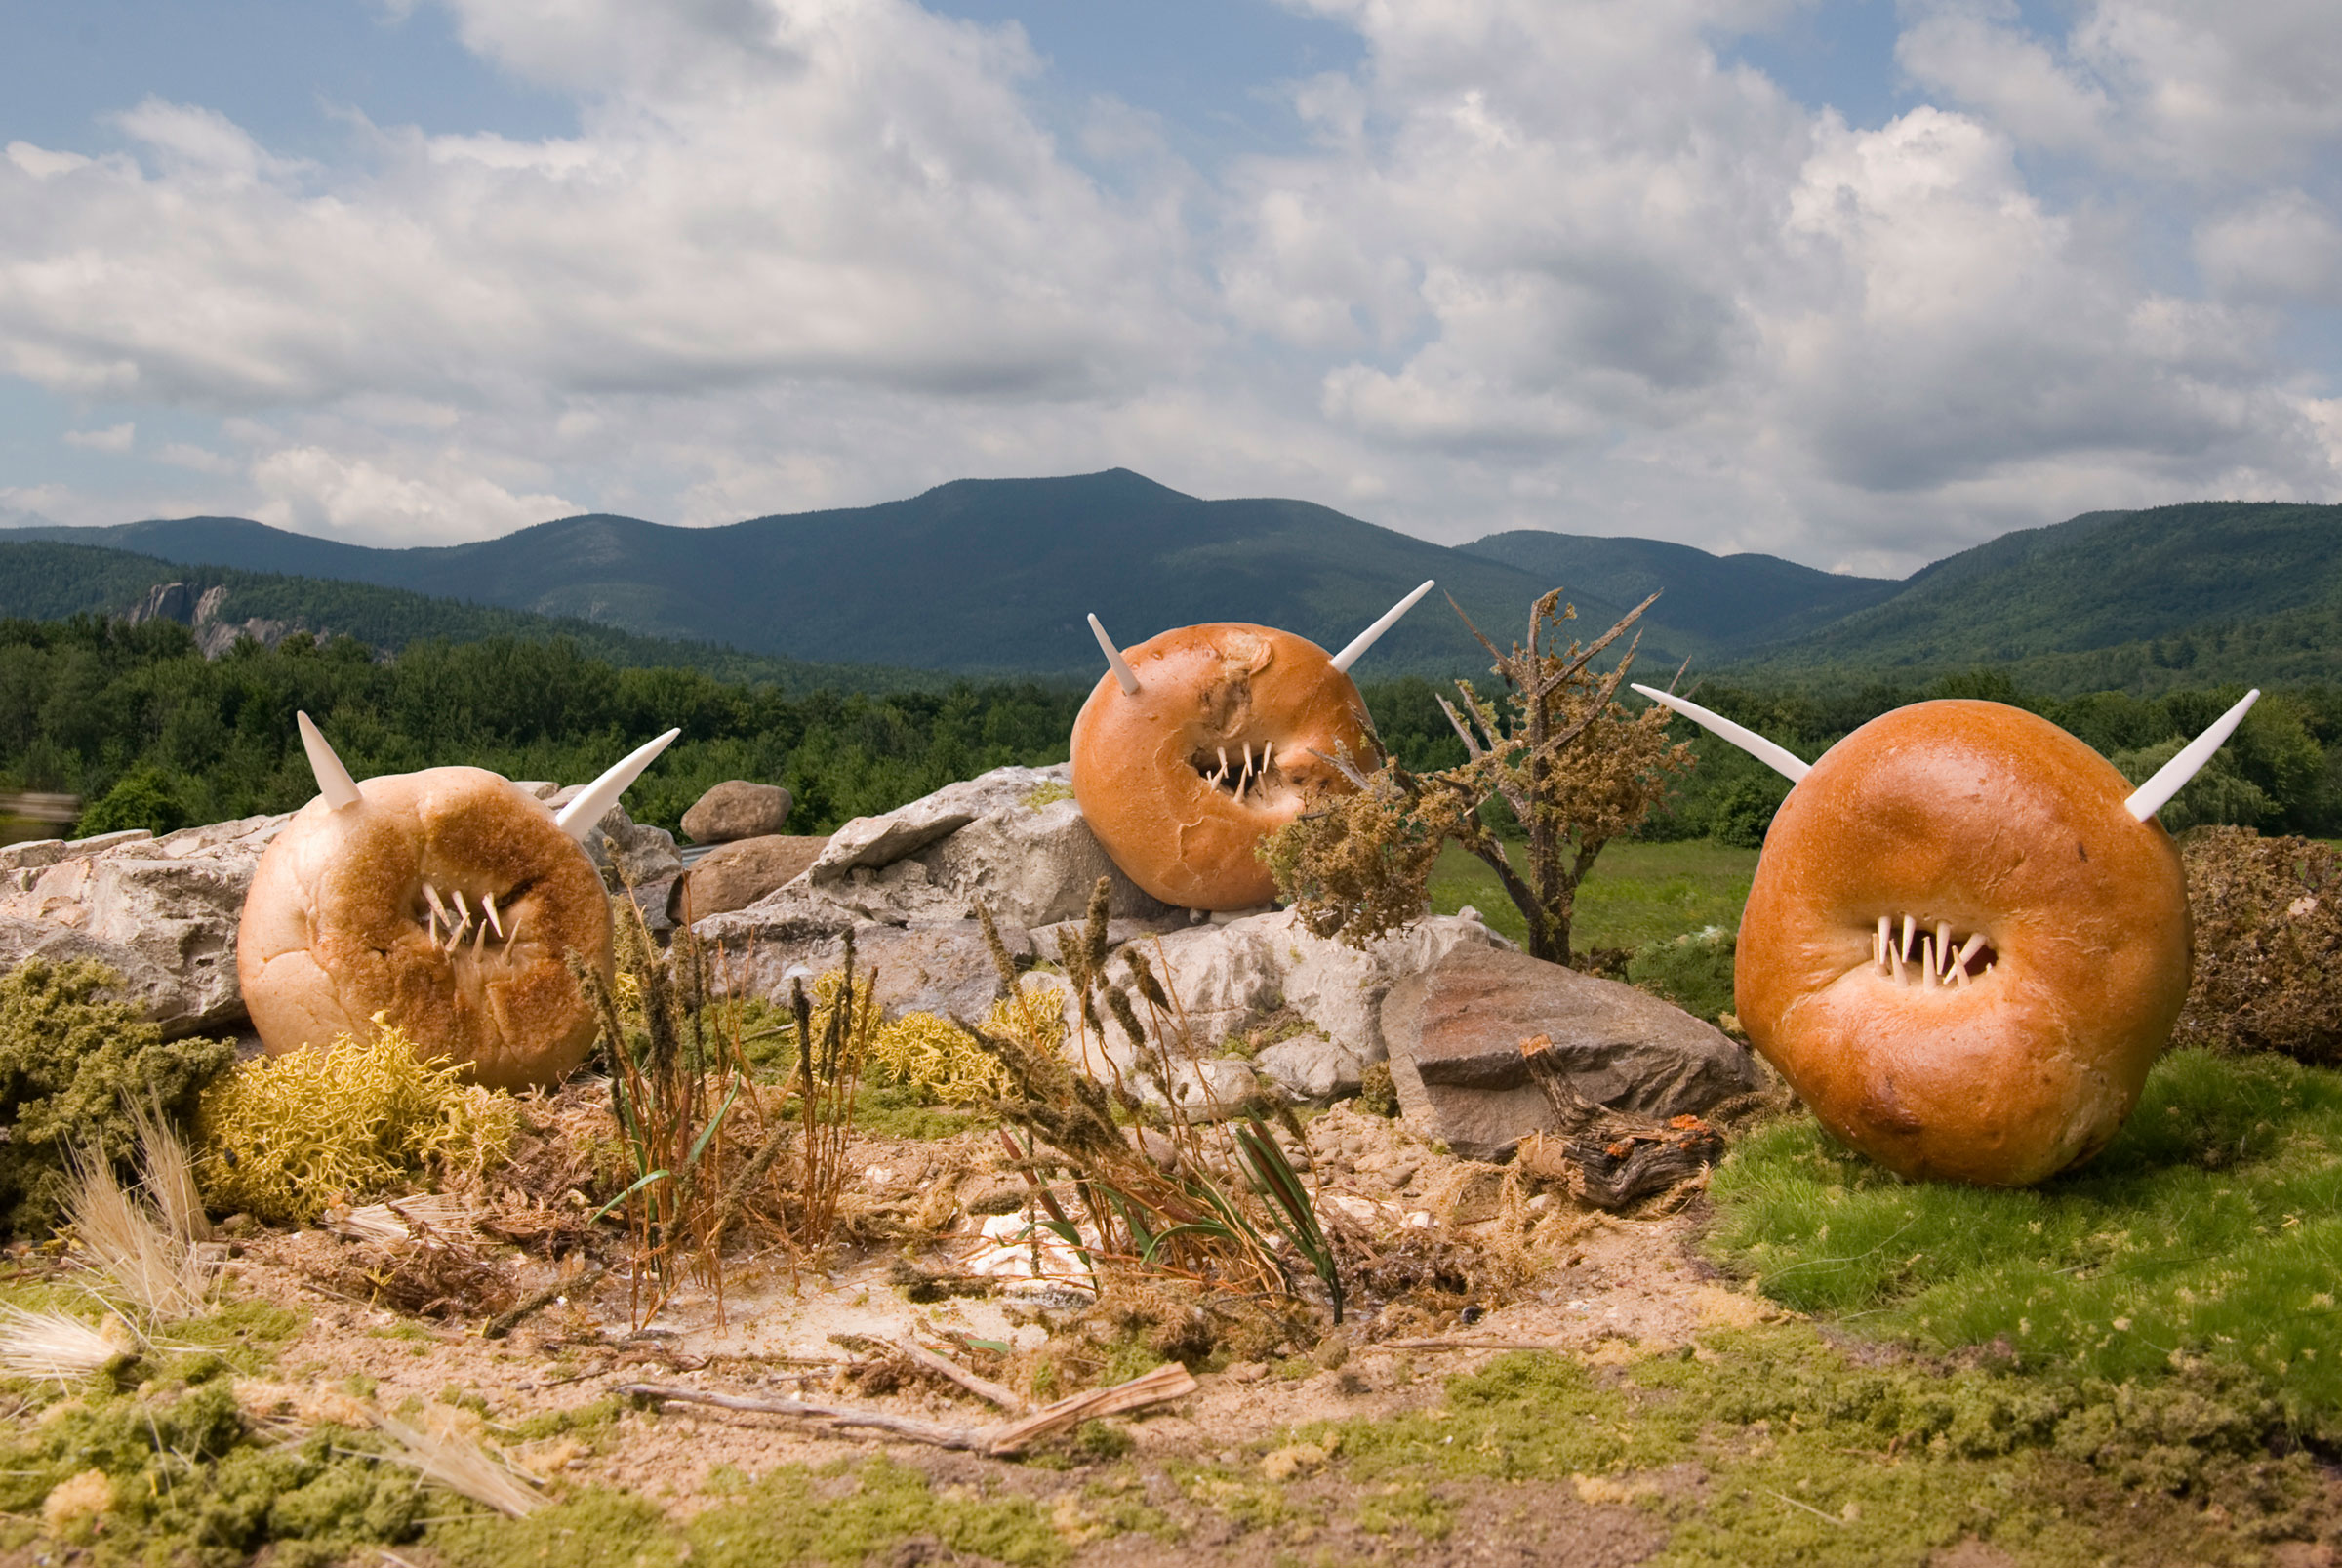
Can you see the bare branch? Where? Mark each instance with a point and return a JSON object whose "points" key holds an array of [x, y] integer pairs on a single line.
{"points": [[1475, 630]]}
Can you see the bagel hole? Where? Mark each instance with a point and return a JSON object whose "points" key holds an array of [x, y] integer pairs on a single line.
{"points": [[1232, 779], [1982, 959]]}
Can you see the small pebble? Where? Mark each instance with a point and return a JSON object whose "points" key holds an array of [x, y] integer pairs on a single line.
{"points": [[1399, 1175], [1248, 1370]]}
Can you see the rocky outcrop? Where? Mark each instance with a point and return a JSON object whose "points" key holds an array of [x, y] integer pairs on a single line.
{"points": [[163, 911], [1454, 1028], [621, 847], [737, 809], [203, 613], [908, 883], [1321, 999], [732, 877]]}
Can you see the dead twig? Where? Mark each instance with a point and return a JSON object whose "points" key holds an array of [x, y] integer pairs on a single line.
{"points": [[984, 1388], [504, 1322], [1165, 1383]]}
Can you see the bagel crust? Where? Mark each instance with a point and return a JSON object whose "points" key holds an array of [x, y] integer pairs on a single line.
{"points": [[1991, 823], [338, 927], [1162, 774]]}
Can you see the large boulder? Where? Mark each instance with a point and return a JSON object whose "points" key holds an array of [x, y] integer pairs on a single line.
{"points": [[163, 911], [1012, 837], [942, 967], [737, 809], [732, 877], [1229, 977], [1454, 1029]]}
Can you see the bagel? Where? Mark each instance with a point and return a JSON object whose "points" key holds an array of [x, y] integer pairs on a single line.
{"points": [[448, 902], [1224, 737], [1963, 948]]}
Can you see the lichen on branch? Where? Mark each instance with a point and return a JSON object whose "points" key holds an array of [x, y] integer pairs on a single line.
{"points": [[1574, 765]]}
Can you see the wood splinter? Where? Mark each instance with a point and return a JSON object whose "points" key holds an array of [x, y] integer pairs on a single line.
{"points": [[1609, 1158], [1168, 1382]]}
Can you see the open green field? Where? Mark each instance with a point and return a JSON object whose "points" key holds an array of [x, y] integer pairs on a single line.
{"points": [[1638, 893]]}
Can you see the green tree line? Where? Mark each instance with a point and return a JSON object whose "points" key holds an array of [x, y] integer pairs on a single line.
{"points": [[149, 733]]}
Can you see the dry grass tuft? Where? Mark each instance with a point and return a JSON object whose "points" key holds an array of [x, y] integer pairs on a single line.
{"points": [[463, 1467], [52, 1347], [145, 1252]]}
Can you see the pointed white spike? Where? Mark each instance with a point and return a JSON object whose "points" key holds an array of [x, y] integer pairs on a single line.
{"points": [[579, 817], [488, 902], [1367, 639], [1778, 758], [462, 908], [1929, 979], [334, 781], [2173, 776], [430, 896], [1878, 942], [1267, 755], [1123, 675], [1943, 946], [1902, 954], [1968, 951]]}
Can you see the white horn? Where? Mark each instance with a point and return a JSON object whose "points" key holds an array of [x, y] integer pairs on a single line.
{"points": [[579, 817], [2173, 776], [1123, 676], [1367, 639], [1779, 759], [334, 781]]}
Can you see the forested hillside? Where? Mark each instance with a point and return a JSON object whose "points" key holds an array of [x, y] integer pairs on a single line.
{"points": [[134, 719], [43, 581]]}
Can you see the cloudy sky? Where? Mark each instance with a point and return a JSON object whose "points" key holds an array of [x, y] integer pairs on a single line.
{"points": [[1852, 281]]}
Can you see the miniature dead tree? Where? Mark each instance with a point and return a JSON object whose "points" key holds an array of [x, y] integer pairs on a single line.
{"points": [[1609, 1158], [1575, 768]]}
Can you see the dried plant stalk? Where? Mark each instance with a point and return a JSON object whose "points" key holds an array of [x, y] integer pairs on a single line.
{"points": [[156, 1269]]}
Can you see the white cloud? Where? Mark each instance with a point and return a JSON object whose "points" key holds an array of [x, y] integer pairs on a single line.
{"points": [[439, 499], [113, 438], [1535, 262]]}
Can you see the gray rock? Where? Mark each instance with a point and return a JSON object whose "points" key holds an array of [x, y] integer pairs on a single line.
{"points": [[621, 849], [1311, 1070], [1013, 838], [1454, 1031], [732, 877], [941, 968], [163, 911], [737, 809], [1228, 977]]}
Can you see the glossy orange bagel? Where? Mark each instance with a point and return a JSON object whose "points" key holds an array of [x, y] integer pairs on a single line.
{"points": [[2007, 1037], [1223, 741]]}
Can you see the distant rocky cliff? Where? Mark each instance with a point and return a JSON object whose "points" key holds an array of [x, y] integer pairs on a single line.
{"points": [[201, 613]]}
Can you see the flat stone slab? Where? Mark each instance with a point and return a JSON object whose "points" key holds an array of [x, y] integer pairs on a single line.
{"points": [[1454, 1031]]}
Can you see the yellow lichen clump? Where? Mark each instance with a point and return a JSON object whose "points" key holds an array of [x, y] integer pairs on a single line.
{"points": [[934, 1053], [281, 1137]]}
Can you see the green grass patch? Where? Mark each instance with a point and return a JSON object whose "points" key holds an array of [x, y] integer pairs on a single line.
{"points": [[2207, 1234], [1812, 1457], [1638, 893], [844, 1514]]}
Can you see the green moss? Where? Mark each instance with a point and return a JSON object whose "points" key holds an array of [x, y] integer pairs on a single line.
{"points": [[1048, 794], [596, 1529], [2204, 1235], [585, 1417], [71, 1060], [791, 1516], [1811, 1458], [189, 1487]]}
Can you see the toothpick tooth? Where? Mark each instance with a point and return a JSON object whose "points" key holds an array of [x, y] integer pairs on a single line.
{"points": [[1909, 926], [1880, 942], [1943, 943], [462, 908], [488, 902], [1927, 975], [1268, 751], [430, 896], [513, 940], [1968, 951], [1223, 761], [479, 938]]}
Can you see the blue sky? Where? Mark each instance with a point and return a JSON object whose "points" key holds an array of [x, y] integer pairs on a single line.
{"points": [[1854, 281]]}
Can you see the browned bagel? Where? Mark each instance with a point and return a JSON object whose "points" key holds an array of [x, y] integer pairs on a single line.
{"points": [[337, 926], [1148, 766], [1997, 825]]}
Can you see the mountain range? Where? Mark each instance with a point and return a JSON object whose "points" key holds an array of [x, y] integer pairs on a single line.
{"points": [[994, 577]]}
